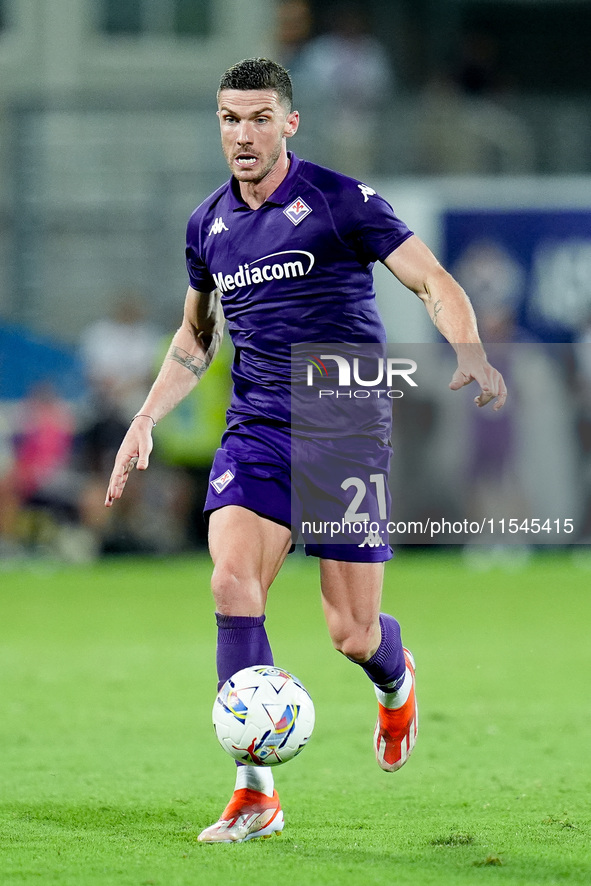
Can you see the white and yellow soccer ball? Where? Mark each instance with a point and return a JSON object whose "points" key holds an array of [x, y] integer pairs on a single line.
{"points": [[263, 716]]}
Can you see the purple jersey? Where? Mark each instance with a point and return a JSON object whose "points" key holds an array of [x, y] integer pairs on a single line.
{"points": [[298, 269]]}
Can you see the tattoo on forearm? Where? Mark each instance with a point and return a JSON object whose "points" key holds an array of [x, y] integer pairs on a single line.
{"points": [[194, 364], [437, 308]]}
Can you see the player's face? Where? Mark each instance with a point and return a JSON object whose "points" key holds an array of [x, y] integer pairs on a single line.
{"points": [[253, 125]]}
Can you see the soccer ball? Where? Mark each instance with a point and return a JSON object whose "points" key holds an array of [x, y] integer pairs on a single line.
{"points": [[263, 716]]}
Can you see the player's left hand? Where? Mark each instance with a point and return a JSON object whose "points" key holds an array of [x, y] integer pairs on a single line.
{"points": [[473, 366]]}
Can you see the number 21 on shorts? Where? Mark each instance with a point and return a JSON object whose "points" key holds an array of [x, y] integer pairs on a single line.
{"points": [[352, 514]]}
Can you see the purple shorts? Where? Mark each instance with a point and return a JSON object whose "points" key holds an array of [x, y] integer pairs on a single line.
{"points": [[332, 494]]}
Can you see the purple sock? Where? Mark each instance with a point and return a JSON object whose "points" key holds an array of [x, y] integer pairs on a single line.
{"points": [[242, 642], [387, 665]]}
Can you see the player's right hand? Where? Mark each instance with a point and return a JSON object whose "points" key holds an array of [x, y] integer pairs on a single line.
{"points": [[134, 452]]}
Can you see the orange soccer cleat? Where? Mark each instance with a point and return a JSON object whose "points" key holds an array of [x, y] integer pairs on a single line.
{"points": [[396, 730], [249, 814]]}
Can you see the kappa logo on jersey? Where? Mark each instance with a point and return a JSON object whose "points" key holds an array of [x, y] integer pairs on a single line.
{"points": [[217, 227], [297, 211], [293, 263], [220, 483], [372, 540], [366, 191]]}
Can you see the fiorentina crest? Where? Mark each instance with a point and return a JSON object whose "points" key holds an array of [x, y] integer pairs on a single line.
{"points": [[297, 211]]}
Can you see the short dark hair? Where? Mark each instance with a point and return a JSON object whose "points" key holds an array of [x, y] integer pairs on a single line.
{"points": [[259, 73]]}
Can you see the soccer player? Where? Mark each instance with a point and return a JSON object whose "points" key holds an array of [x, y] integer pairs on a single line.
{"points": [[284, 250]]}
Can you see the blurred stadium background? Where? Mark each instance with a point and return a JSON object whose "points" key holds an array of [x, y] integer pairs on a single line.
{"points": [[472, 117]]}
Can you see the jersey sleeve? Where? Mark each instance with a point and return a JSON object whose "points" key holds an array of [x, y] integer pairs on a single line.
{"points": [[369, 224], [199, 277]]}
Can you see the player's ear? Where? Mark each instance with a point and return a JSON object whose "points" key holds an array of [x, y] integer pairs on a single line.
{"points": [[292, 121]]}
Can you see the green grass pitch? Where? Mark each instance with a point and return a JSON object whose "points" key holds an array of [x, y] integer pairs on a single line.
{"points": [[109, 767]]}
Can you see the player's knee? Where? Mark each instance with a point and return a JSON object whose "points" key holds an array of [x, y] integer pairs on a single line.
{"points": [[235, 593]]}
